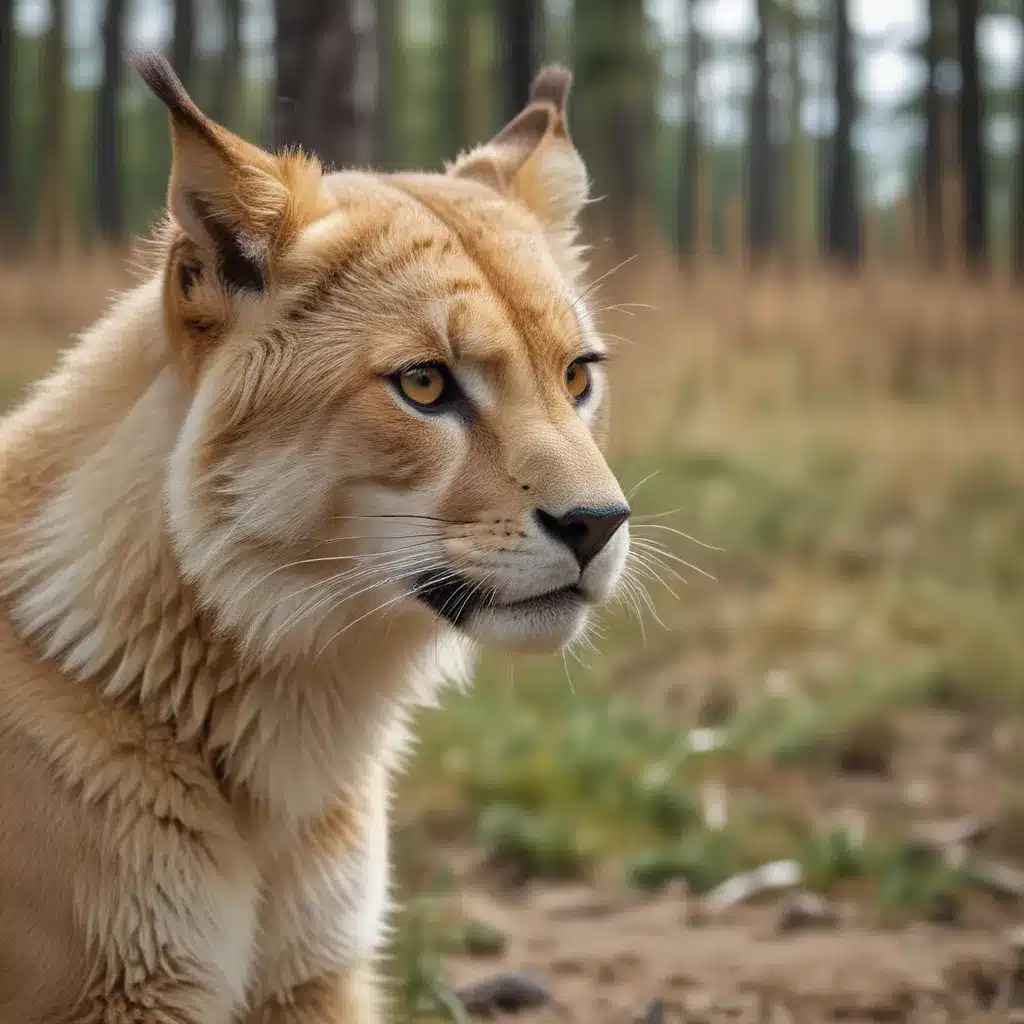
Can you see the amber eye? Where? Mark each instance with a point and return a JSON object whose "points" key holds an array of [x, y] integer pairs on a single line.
{"points": [[423, 385], [577, 380]]}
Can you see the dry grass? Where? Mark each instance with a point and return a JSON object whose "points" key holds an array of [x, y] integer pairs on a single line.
{"points": [[855, 446], [43, 306], [807, 341], [809, 345]]}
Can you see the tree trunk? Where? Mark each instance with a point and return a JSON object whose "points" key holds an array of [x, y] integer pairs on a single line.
{"points": [[760, 169], [388, 93], [6, 124], [183, 41], [457, 70], [1018, 221], [842, 226], [934, 228], [327, 78], [55, 215], [689, 158], [229, 73], [109, 212], [972, 152], [796, 162], [613, 116], [518, 28]]}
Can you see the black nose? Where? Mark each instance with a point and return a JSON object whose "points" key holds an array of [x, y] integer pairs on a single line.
{"points": [[584, 531]]}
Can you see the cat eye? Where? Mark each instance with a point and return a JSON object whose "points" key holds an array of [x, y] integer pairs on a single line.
{"points": [[425, 387], [578, 379]]}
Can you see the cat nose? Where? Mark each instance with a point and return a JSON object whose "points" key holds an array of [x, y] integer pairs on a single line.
{"points": [[584, 531]]}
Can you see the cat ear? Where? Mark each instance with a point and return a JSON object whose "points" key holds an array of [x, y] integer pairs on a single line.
{"points": [[236, 202], [533, 161]]}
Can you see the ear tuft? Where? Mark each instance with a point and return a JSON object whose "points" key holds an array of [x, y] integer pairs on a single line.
{"points": [[532, 161], [156, 71], [552, 85], [240, 205]]}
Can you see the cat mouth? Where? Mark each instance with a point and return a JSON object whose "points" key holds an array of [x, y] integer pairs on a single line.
{"points": [[456, 598]]}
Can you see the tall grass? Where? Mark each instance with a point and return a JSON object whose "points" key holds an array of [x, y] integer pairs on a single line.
{"points": [[780, 338]]}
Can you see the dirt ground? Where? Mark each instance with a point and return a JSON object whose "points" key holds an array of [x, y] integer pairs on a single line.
{"points": [[606, 959], [608, 955]]}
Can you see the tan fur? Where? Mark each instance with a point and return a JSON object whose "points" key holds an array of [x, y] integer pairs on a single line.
{"points": [[198, 714]]}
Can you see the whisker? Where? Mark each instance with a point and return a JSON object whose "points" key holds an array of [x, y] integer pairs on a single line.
{"points": [[430, 535], [356, 621], [643, 516], [353, 574], [646, 598], [636, 487], [653, 560], [329, 558], [653, 573], [330, 594], [678, 533], [607, 336], [404, 515], [335, 601], [568, 677], [625, 307], [650, 545], [608, 273], [629, 598]]}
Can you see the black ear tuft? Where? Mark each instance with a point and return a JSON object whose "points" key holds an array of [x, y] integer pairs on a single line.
{"points": [[552, 85], [156, 71]]}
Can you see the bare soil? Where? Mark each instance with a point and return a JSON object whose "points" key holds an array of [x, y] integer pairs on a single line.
{"points": [[606, 954], [607, 958]]}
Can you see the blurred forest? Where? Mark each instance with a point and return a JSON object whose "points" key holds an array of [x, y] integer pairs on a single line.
{"points": [[757, 130]]}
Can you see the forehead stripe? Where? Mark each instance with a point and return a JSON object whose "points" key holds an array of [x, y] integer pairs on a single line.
{"points": [[495, 280]]}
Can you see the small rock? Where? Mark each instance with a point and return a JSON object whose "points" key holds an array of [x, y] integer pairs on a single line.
{"points": [[779, 683], [946, 908], [654, 1014], [1002, 880], [780, 874], [805, 910], [507, 992], [705, 740], [942, 835], [919, 793]]}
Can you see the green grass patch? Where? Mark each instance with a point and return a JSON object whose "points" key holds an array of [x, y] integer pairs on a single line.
{"points": [[557, 776]]}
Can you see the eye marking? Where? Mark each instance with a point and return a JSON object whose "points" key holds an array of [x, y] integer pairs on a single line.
{"points": [[579, 378], [428, 387], [189, 272]]}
